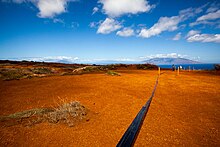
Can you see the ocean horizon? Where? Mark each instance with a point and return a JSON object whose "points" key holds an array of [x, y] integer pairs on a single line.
{"points": [[207, 66]]}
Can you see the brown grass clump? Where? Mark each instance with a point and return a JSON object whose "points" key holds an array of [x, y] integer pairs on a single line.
{"points": [[68, 113]]}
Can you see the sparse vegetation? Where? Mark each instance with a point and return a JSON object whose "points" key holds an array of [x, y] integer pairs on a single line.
{"points": [[13, 74], [113, 73], [90, 69], [11, 70], [110, 67], [146, 66], [26, 114], [42, 70], [67, 113]]}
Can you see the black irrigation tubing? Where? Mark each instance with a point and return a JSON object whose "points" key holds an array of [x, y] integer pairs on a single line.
{"points": [[129, 137]]}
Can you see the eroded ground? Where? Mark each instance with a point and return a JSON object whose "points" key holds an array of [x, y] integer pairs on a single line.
{"points": [[184, 111]]}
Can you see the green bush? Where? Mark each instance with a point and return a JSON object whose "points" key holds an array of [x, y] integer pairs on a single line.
{"points": [[146, 66], [91, 69], [41, 70]]}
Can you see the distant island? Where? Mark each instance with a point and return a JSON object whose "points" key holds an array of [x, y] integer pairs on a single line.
{"points": [[169, 61]]}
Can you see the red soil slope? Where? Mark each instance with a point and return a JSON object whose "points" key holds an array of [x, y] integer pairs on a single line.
{"points": [[184, 111]]}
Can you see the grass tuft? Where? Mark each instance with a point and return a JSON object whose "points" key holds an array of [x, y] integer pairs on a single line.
{"points": [[113, 73]]}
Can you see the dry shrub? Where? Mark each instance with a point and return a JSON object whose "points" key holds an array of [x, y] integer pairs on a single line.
{"points": [[67, 113]]}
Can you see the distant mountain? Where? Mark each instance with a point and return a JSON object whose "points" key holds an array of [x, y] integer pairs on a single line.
{"points": [[169, 61]]}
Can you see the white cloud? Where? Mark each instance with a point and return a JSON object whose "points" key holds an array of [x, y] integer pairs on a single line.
{"points": [[170, 55], [63, 59], [177, 37], [169, 23], [163, 24], [60, 58], [93, 24], [126, 32], [95, 9], [191, 12], [20, 1], [196, 36], [50, 8], [47, 8], [57, 20], [210, 16], [211, 23], [192, 32], [116, 8], [125, 59], [204, 38], [108, 26], [74, 25], [212, 9]]}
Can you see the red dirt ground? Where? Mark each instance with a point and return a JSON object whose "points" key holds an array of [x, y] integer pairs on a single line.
{"points": [[184, 112]]}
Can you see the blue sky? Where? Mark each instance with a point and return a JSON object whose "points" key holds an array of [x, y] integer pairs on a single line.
{"points": [[120, 30]]}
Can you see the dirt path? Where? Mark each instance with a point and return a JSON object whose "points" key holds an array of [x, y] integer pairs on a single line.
{"points": [[184, 111]]}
